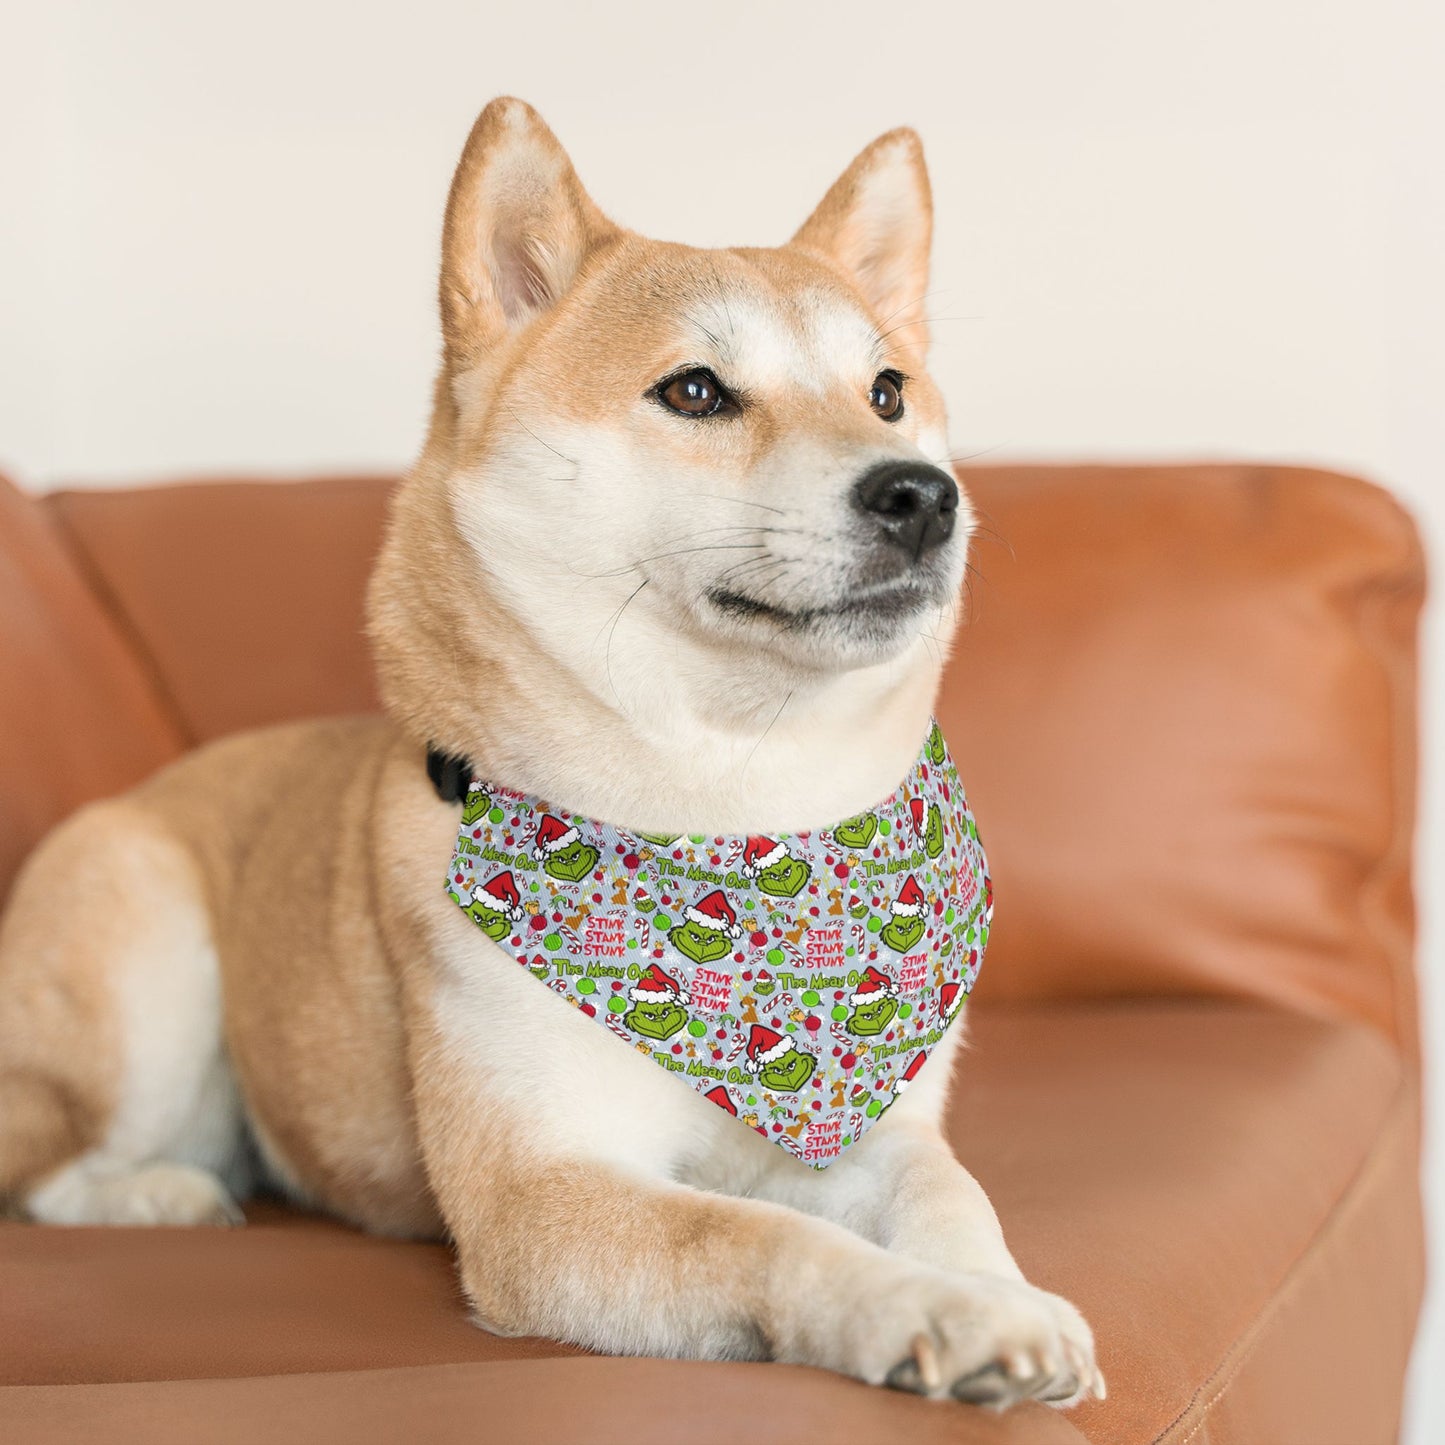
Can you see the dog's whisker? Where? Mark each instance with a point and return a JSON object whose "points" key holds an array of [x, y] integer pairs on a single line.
{"points": [[915, 321], [985, 526], [966, 456], [807, 579], [571, 461], [659, 556], [916, 301], [759, 580], [739, 501], [734, 574], [881, 336], [744, 527], [746, 761], [616, 620], [780, 565], [737, 568]]}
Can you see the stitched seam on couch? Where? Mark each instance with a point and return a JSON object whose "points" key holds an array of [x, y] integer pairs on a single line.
{"points": [[1241, 1351], [125, 625], [1378, 604]]}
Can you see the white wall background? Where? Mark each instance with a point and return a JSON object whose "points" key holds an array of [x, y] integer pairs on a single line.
{"points": [[1163, 229]]}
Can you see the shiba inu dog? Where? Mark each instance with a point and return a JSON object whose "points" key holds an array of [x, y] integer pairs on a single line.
{"points": [[676, 552]]}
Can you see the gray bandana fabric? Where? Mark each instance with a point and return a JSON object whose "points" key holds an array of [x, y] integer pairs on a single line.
{"points": [[798, 981]]}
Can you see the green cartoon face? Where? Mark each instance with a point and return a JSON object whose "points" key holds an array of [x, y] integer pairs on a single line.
{"points": [[569, 864], [788, 1074], [474, 809], [662, 840], [494, 924], [935, 746], [701, 945], [785, 878], [933, 832], [901, 932], [872, 1018], [856, 832], [655, 1020]]}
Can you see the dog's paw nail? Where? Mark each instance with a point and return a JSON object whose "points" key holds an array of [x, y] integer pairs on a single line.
{"points": [[905, 1376], [1021, 1365], [1063, 1390], [988, 1386], [1087, 1378], [926, 1355]]}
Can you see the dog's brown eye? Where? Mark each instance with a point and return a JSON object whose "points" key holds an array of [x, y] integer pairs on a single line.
{"points": [[694, 393], [886, 398]]}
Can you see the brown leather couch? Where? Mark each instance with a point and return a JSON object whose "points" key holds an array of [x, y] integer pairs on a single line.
{"points": [[1185, 706]]}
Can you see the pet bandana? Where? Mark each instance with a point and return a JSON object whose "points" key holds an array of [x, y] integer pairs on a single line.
{"points": [[798, 981]]}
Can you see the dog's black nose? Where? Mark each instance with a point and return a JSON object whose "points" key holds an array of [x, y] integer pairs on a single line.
{"points": [[913, 503]]}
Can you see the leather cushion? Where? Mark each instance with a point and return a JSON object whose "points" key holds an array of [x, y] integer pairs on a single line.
{"points": [[79, 716], [247, 595], [1184, 707]]}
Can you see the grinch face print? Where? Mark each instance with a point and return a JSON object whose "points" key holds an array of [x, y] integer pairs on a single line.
{"points": [[475, 805], [708, 932], [875, 1002], [496, 907], [778, 1061], [937, 749], [657, 1000], [776, 871], [563, 853], [856, 832], [798, 982]]}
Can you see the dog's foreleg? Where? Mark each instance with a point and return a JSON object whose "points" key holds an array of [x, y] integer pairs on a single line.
{"points": [[587, 1253], [901, 1188]]}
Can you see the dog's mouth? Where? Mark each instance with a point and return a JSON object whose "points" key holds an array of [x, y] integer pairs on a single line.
{"points": [[879, 606]]}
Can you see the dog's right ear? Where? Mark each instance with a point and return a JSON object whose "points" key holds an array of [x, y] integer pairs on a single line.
{"points": [[518, 228]]}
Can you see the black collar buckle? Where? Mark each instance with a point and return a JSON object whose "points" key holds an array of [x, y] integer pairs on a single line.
{"points": [[449, 774]]}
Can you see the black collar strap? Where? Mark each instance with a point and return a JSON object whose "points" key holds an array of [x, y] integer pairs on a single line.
{"points": [[449, 774]]}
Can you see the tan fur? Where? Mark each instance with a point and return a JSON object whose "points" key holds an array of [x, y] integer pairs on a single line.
{"points": [[256, 944]]}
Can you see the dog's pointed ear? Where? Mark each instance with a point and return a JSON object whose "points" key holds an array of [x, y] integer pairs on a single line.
{"points": [[518, 228], [877, 223]]}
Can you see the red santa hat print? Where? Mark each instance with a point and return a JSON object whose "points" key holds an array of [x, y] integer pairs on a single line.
{"points": [[722, 1099], [949, 998], [766, 1045], [553, 835], [761, 853], [716, 912], [915, 807], [911, 1072], [873, 987], [500, 893], [910, 900], [657, 986]]}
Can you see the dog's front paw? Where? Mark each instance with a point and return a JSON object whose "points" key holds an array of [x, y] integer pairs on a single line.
{"points": [[982, 1338]]}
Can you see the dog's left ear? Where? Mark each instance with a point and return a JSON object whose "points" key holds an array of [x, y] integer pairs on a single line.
{"points": [[877, 223]]}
